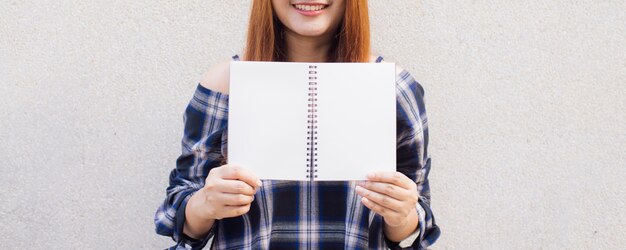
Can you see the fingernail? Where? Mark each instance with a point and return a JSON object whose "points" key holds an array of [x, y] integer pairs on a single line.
{"points": [[370, 175], [259, 183]]}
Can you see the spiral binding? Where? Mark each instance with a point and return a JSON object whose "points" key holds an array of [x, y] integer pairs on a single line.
{"points": [[312, 125]]}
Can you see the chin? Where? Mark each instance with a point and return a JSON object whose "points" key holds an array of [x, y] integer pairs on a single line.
{"points": [[311, 31]]}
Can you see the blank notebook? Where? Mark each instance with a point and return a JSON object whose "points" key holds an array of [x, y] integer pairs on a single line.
{"points": [[312, 121]]}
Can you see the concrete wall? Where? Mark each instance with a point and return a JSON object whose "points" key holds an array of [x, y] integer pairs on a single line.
{"points": [[525, 100]]}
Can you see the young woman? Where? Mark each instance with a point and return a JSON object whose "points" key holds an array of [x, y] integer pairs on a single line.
{"points": [[208, 198]]}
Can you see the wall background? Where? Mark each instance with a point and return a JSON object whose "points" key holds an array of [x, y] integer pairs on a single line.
{"points": [[526, 107]]}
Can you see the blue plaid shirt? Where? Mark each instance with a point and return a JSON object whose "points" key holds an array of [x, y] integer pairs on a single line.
{"points": [[293, 214]]}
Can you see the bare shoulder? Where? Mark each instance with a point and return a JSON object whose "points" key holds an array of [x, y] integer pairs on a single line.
{"points": [[373, 58], [217, 78]]}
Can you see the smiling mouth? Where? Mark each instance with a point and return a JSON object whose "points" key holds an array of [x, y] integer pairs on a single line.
{"points": [[309, 7]]}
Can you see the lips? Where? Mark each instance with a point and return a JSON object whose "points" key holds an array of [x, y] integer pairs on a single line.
{"points": [[310, 6]]}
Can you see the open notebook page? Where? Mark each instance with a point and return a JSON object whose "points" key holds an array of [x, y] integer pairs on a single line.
{"points": [[356, 120], [267, 120]]}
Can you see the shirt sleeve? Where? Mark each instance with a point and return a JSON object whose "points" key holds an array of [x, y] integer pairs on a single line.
{"points": [[413, 159], [205, 121]]}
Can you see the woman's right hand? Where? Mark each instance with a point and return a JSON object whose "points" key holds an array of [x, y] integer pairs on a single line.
{"points": [[228, 192]]}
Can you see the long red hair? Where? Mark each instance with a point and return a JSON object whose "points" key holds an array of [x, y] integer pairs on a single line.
{"points": [[264, 42]]}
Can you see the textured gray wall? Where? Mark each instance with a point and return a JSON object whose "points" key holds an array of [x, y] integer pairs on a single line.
{"points": [[525, 99]]}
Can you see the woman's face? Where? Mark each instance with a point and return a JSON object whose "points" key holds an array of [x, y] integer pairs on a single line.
{"points": [[311, 18]]}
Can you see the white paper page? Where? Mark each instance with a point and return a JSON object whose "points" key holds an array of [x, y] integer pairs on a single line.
{"points": [[267, 119], [356, 120]]}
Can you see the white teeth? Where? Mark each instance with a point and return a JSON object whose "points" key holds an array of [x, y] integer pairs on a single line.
{"points": [[309, 7]]}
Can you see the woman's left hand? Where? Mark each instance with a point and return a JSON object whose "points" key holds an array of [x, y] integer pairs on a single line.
{"points": [[391, 194]]}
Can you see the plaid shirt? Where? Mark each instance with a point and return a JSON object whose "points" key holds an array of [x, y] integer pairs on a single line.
{"points": [[293, 214]]}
